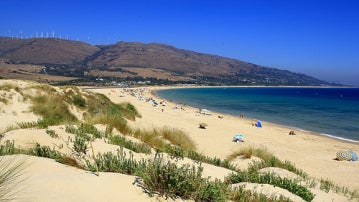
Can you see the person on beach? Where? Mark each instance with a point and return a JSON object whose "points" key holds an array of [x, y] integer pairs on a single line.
{"points": [[291, 132]]}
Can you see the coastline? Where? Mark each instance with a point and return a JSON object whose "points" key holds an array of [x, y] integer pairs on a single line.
{"points": [[322, 134], [314, 154]]}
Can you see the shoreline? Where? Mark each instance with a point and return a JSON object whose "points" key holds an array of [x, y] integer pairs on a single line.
{"points": [[330, 136], [314, 154]]}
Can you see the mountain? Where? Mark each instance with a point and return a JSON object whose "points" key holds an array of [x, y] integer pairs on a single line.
{"points": [[139, 61]]}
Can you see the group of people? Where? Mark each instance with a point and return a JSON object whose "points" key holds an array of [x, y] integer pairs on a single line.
{"points": [[291, 132]]}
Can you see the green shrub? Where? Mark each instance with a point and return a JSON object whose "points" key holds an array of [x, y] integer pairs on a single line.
{"points": [[242, 195], [90, 129], [52, 133], [168, 179], [71, 129], [162, 177], [45, 151], [175, 151], [284, 183], [80, 132], [119, 163], [136, 147], [80, 145], [8, 148], [210, 160]]}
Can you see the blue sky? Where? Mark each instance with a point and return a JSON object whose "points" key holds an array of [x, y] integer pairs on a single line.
{"points": [[314, 37]]}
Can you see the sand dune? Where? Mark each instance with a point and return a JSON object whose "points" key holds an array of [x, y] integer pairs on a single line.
{"points": [[47, 180]]}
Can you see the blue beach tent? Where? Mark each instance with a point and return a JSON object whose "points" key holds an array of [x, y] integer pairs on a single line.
{"points": [[258, 124]]}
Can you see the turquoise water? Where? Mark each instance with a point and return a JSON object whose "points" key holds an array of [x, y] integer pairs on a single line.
{"points": [[329, 111]]}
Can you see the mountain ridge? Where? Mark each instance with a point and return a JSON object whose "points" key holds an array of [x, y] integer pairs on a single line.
{"points": [[141, 61]]}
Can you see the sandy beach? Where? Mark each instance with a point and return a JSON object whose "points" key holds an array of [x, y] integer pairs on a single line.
{"points": [[47, 180], [312, 153]]}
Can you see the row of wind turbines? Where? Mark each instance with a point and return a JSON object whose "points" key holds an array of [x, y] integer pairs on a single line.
{"points": [[52, 34]]}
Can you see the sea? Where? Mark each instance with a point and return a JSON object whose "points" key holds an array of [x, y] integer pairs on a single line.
{"points": [[332, 112]]}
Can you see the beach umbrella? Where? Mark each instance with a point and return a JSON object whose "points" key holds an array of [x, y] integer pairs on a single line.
{"points": [[238, 138], [344, 156], [354, 156]]}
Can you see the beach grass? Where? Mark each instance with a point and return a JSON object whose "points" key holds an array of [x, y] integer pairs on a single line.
{"points": [[53, 110], [11, 128], [11, 173], [150, 137], [327, 185], [31, 124], [178, 137], [101, 110], [8, 86], [160, 137], [267, 160], [79, 100]]}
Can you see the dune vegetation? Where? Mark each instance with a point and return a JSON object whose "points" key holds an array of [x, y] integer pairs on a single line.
{"points": [[80, 112]]}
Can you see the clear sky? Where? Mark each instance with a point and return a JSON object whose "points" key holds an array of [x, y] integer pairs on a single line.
{"points": [[315, 37]]}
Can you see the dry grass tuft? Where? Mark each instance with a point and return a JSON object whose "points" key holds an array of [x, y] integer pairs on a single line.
{"points": [[10, 177], [248, 152], [159, 138]]}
